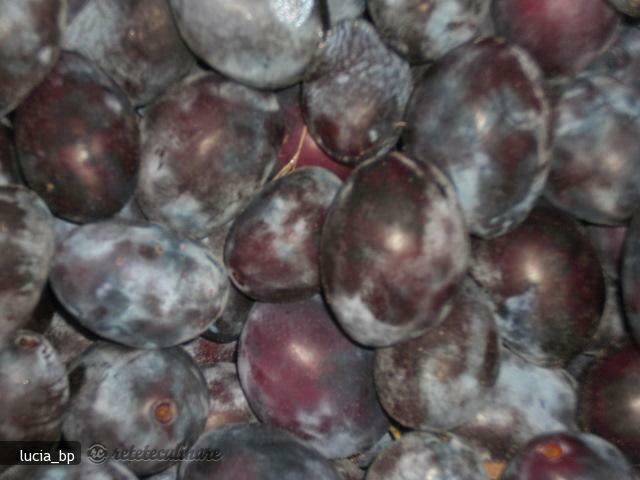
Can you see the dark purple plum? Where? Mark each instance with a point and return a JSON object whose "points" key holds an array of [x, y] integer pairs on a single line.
{"points": [[609, 396], [135, 42], [424, 31], [78, 142], [227, 403], [34, 391], [631, 276], [301, 373], [122, 397], [355, 93], [206, 352], [527, 401], [627, 7], [347, 470], [442, 379], [138, 284], [68, 338], [43, 313], [394, 250], [272, 252], [345, 10], [547, 285], [563, 36], [27, 243], [419, 456], [266, 44], [622, 59], [30, 36], [228, 326], [227, 133], [256, 452], [569, 456], [481, 115], [87, 470], [609, 242], [595, 170], [9, 174]]}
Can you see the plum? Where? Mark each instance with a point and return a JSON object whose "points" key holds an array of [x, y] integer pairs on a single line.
{"points": [[9, 174], [123, 397], [481, 115], [266, 44], [88, 469], [78, 142], [30, 36], [138, 284], [227, 133], [394, 250], [631, 276], [207, 352], [228, 326], [355, 93], [27, 242], [609, 243], [34, 390], [622, 59], [425, 31], [345, 10], [68, 337], [272, 251], [547, 285], [301, 373], [564, 36], [135, 42]]}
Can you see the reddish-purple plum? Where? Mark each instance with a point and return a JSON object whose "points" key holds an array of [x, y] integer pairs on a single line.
{"points": [[138, 284], [564, 36], [394, 250], [78, 142], [122, 397], [110, 470], [355, 93], [301, 373], [208, 145], [272, 252], [631, 276], [481, 115]]}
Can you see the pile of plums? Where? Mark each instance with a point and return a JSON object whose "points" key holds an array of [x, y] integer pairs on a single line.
{"points": [[322, 239]]}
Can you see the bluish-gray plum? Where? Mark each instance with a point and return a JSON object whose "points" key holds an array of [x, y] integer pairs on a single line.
{"points": [[272, 252], [138, 284], [425, 31], [227, 403], [564, 36], [135, 42], [30, 36], [68, 337], [78, 142], [609, 243], [207, 352], [418, 455], [27, 243], [340, 10], [571, 456], [631, 276], [208, 146], [595, 168], [622, 59], [301, 373], [355, 93], [123, 397], [547, 285], [34, 391], [526, 401], [9, 174], [442, 379], [266, 44], [394, 250], [87, 470], [482, 116]]}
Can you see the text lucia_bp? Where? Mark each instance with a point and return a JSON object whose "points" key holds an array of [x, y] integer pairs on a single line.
{"points": [[40, 453]]}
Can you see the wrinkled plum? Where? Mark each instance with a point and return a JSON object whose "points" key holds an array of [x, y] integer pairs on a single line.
{"points": [[272, 251], [526, 401], [345, 9], [595, 171], [77, 139], [622, 59], [227, 133], [206, 352], [88, 469], [394, 250], [68, 338], [564, 36], [631, 276], [443, 378], [266, 44], [34, 391], [424, 31], [609, 243], [122, 397], [417, 456], [30, 36], [9, 173], [227, 403], [569, 456], [301, 373], [547, 285], [27, 243], [138, 284], [256, 452], [481, 115], [355, 93], [135, 42]]}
